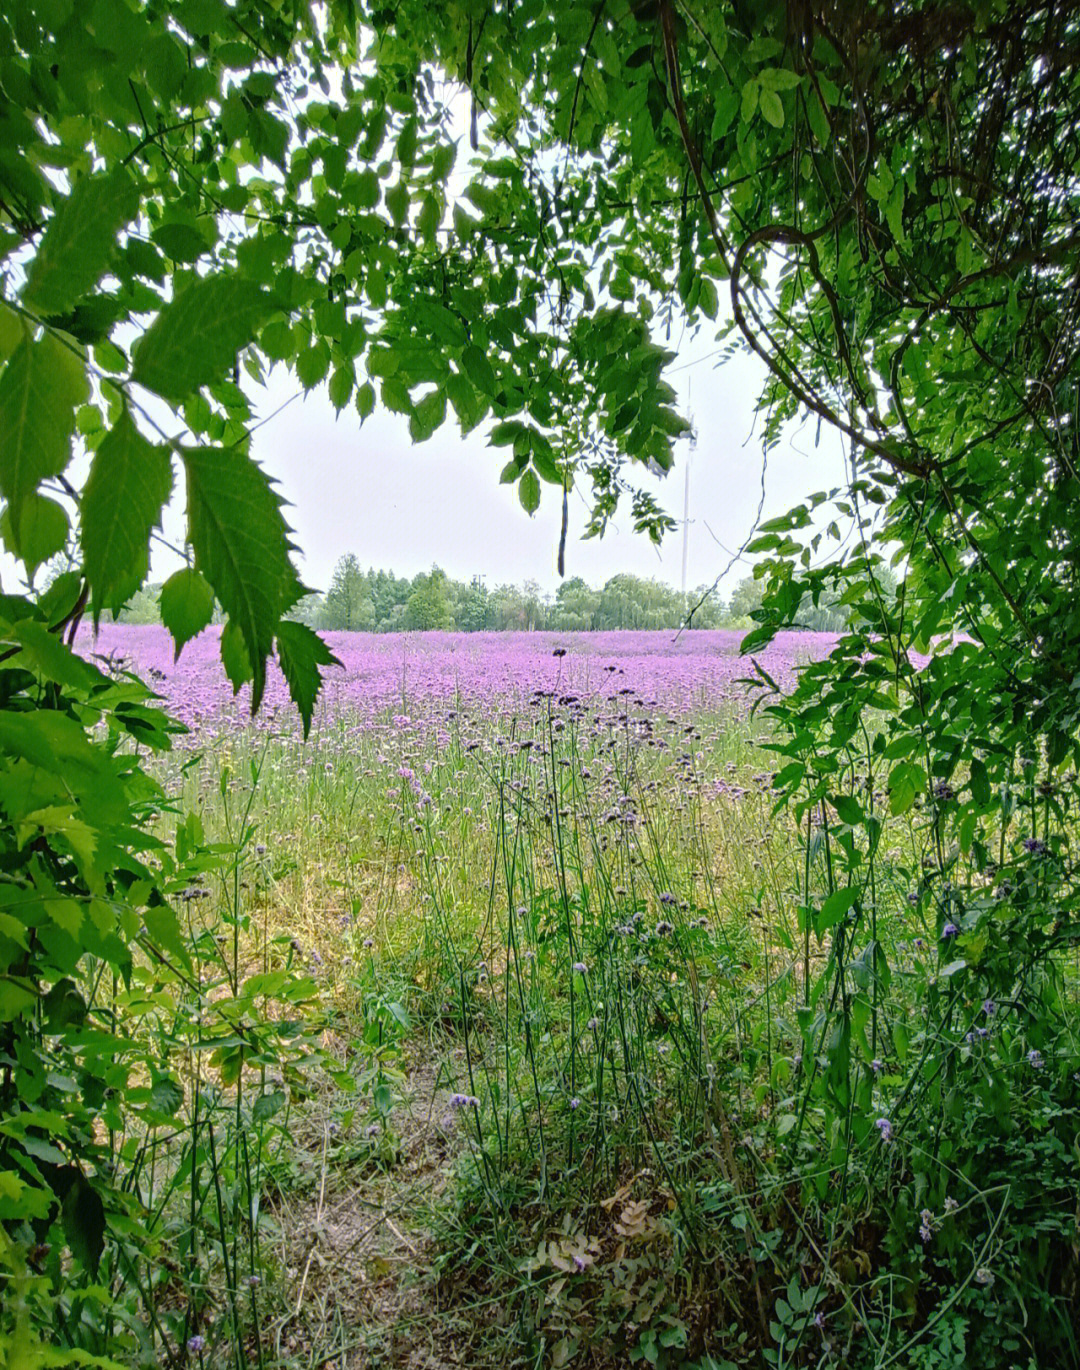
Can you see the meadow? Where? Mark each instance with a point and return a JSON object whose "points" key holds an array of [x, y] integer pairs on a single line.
{"points": [[504, 1027]]}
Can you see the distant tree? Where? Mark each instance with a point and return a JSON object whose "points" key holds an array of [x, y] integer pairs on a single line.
{"points": [[575, 607], [348, 606], [473, 608], [745, 598], [709, 610], [428, 607], [142, 607], [311, 610]]}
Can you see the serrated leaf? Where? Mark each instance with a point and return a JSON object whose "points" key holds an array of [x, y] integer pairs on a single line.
{"points": [[301, 652], [187, 606], [195, 338], [365, 400], [529, 491], [234, 656], [43, 531], [428, 415], [503, 434], [312, 365], [341, 386], [40, 389], [129, 484], [241, 545], [468, 405], [79, 241]]}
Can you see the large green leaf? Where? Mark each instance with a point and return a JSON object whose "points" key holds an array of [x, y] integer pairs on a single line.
{"points": [[241, 544], [39, 390], [43, 530], [195, 338], [187, 605], [129, 484], [80, 241], [300, 653]]}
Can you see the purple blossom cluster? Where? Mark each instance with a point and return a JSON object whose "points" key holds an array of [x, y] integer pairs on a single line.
{"points": [[403, 671]]}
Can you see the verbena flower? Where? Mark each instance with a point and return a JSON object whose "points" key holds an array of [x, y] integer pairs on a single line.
{"points": [[884, 1126], [196, 1343]]}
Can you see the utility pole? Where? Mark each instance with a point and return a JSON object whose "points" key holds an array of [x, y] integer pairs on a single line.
{"points": [[686, 503]]}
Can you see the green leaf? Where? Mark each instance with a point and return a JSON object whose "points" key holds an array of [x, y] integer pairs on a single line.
{"points": [[301, 652], [130, 482], [84, 1223], [529, 491], [40, 389], [849, 809], [365, 400], [50, 658], [195, 338], [234, 656], [772, 108], [468, 405], [397, 202], [835, 907], [779, 78], [13, 328], [44, 530], [187, 606], [79, 241], [478, 369], [428, 415], [503, 434], [312, 365], [341, 386], [241, 545], [163, 927], [980, 783], [167, 1095]]}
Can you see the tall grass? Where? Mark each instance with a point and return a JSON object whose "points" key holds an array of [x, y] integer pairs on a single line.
{"points": [[681, 1127]]}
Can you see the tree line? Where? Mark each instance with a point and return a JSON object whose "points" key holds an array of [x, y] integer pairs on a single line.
{"points": [[381, 602]]}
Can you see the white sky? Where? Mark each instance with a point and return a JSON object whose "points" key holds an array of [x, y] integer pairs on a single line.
{"points": [[405, 507]]}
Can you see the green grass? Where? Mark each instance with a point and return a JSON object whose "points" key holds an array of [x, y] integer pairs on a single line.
{"points": [[583, 1089]]}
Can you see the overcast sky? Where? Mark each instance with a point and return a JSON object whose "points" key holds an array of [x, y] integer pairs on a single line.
{"points": [[405, 506]]}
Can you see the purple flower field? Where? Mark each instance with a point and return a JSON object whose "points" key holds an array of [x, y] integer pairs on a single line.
{"points": [[414, 672]]}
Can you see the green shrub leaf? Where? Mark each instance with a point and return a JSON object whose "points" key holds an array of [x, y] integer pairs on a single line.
{"points": [[129, 484], [195, 339], [80, 241], [241, 544]]}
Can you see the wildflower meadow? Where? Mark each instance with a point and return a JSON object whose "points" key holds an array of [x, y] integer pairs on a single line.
{"points": [[682, 998], [507, 1029]]}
